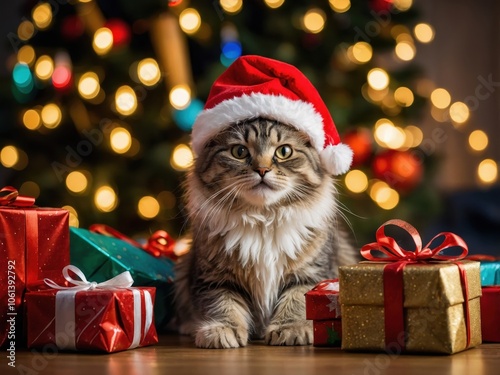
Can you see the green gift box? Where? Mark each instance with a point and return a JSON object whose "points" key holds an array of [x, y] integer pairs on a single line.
{"points": [[102, 257]]}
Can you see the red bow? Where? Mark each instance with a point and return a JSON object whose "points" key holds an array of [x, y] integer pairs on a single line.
{"points": [[159, 244], [9, 196], [398, 258]]}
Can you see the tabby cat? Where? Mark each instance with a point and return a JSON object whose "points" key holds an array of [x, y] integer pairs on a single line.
{"points": [[266, 228]]}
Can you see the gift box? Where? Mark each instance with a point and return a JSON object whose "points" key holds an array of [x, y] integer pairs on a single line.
{"points": [[34, 244], [411, 301], [322, 302], [490, 273], [106, 317], [490, 314], [323, 308], [327, 332], [102, 257]]}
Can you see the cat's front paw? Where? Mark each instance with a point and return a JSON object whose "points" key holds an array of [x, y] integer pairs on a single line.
{"points": [[218, 336], [298, 333]]}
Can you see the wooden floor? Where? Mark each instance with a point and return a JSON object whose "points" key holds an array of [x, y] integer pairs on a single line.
{"points": [[177, 355]]}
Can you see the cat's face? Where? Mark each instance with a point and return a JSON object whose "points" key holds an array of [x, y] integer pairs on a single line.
{"points": [[261, 163]]}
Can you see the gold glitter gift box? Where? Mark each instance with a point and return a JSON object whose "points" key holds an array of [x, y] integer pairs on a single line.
{"points": [[434, 318]]}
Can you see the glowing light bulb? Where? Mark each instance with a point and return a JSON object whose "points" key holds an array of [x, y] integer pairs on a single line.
{"points": [[125, 100], [182, 158], [231, 6], [340, 6], [9, 156], [180, 96], [148, 207], [487, 171], [404, 96], [356, 181], [42, 15], [32, 119], [273, 4], [148, 72], [76, 182], [103, 41], [478, 140], [190, 20], [440, 98], [459, 112], [44, 67], [314, 20], [88, 85], [105, 199], [120, 140], [51, 115], [424, 32], [378, 79]]}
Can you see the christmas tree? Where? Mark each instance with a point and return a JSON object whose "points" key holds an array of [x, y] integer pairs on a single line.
{"points": [[104, 94]]}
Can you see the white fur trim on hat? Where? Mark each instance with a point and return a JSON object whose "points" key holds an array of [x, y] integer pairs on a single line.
{"points": [[336, 159], [296, 113]]}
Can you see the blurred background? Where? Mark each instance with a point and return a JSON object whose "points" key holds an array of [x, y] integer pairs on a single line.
{"points": [[98, 99]]}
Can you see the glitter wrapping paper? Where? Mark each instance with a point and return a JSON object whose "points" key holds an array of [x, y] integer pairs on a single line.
{"points": [[34, 244], [322, 302], [433, 306], [490, 273], [101, 258], [490, 314], [95, 320]]}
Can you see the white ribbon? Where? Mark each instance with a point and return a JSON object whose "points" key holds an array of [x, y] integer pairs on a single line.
{"points": [[65, 322]]}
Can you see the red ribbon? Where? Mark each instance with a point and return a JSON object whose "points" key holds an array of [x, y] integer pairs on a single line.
{"points": [[159, 244], [9, 196], [399, 258]]}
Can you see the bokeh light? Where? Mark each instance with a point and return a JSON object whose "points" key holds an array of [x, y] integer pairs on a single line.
{"points": [[459, 112], [405, 51], [440, 98], [105, 199], [402, 5], [88, 85], [340, 6], [148, 72], [404, 96], [42, 15], [26, 55], [148, 207], [9, 156], [231, 6], [190, 20], [273, 4], [120, 140], [51, 115], [478, 140], [378, 79], [314, 20], [362, 52], [424, 32], [414, 136], [25, 30], [73, 216], [30, 189], [125, 100], [487, 171], [44, 67], [76, 182], [384, 196], [32, 119], [103, 41], [180, 96], [356, 181], [182, 158]]}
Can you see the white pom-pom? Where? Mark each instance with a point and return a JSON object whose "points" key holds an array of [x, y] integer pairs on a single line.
{"points": [[336, 159]]}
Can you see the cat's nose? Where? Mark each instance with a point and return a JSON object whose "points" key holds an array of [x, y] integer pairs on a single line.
{"points": [[262, 171]]}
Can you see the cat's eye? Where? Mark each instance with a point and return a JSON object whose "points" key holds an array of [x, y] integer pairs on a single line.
{"points": [[283, 152], [239, 151]]}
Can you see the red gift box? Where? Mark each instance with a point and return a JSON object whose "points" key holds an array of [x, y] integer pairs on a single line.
{"points": [[323, 308], [108, 317], [490, 313], [34, 244], [322, 302], [327, 332]]}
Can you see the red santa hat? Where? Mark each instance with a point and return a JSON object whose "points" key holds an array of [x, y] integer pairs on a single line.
{"points": [[255, 86]]}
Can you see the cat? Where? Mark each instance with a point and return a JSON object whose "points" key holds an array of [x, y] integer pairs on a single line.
{"points": [[266, 228]]}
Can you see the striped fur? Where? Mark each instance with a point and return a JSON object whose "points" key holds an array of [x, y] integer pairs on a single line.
{"points": [[260, 239]]}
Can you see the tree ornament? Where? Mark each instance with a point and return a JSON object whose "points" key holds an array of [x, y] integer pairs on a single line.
{"points": [[361, 143], [402, 170]]}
